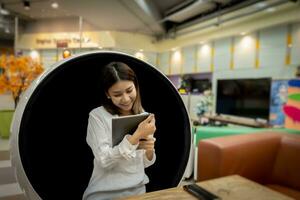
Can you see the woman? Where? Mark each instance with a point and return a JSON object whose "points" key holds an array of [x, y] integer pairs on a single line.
{"points": [[119, 170]]}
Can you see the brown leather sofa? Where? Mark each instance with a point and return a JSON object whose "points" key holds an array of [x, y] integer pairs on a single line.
{"points": [[269, 158]]}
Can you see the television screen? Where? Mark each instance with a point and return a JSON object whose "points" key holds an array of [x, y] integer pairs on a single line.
{"points": [[194, 85], [200, 85], [244, 97]]}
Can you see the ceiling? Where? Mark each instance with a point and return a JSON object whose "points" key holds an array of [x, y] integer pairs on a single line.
{"points": [[158, 18]]}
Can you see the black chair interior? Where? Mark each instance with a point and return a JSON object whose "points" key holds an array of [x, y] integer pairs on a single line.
{"points": [[52, 137]]}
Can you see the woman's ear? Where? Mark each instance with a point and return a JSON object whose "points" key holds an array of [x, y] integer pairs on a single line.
{"points": [[107, 95]]}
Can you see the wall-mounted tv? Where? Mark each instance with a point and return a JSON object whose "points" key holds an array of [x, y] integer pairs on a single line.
{"points": [[200, 85], [244, 97]]}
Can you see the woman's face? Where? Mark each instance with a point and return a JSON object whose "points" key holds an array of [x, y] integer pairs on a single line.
{"points": [[123, 95]]}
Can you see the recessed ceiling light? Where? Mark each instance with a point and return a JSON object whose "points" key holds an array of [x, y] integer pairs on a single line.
{"points": [[26, 5], [54, 5]]}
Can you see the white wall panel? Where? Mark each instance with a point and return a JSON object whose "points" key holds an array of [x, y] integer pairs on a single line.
{"points": [[164, 59], [222, 54], [244, 51], [189, 59], [151, 57], [176, 62], [204, 58], [295, 51], [273, 48]]}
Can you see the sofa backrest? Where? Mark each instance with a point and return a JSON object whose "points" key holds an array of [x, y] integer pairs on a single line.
{"points": [[249, 155]]}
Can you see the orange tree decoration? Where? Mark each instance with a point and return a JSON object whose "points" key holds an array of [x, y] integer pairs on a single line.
{"points": [[16, 74]]}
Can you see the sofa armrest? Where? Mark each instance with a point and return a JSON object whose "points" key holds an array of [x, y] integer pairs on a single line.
{"points": [[249, 155], [286, 170]]}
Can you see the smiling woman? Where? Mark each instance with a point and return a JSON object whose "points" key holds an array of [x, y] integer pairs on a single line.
{"points": [[49, 129], [119, 168]]}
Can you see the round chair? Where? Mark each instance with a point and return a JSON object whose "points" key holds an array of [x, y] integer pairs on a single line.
{"points": [[48, 143]]}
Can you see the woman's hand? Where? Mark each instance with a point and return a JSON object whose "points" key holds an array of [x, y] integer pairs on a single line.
{"points": [[144, 129], [148, 145]]}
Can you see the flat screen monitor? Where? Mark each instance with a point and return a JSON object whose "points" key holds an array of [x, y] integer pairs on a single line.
{"points": [[200, 85], [244, 97]]}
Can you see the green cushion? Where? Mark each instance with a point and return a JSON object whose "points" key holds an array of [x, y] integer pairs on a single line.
{"points": [[203, 132], [5, 121]]}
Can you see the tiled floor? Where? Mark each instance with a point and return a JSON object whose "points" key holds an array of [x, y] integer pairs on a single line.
{"points": [[4, 144], [9, 188]]}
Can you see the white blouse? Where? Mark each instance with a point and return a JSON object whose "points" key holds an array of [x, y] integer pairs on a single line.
{"points": [[117, 168]]}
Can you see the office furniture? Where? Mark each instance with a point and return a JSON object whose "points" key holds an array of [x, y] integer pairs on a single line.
{"points": [[228, 188], [269, 158]]}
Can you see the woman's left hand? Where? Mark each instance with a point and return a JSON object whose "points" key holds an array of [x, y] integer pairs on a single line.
{"points": [[148, 145]]}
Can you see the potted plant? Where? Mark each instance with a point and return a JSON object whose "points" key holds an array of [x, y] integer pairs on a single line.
{"points": [[16, 74]]}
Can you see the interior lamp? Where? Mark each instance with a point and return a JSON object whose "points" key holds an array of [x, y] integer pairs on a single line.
{"points": [[26, 4], [66, 53]]}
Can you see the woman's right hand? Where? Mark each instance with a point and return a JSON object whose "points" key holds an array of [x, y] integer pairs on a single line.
{"points": [[144, 129]]}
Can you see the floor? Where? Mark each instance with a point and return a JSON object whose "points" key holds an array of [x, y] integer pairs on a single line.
{"points": [[9, 188], [4, 144]]}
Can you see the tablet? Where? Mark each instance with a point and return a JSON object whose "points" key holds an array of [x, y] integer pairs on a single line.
{"points": [[125, 125]]}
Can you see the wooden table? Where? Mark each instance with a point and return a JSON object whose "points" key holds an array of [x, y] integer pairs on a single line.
{"points": [[228, 188]]}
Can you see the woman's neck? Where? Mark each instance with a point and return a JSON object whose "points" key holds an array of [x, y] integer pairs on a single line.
{"points": [[125, 112]]}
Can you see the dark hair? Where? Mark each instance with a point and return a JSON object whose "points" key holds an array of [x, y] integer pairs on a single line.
{"points": [[111, 74]]}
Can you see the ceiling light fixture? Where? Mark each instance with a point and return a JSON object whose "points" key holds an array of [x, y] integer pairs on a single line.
{"points": [[54, 5], [26, 4]]}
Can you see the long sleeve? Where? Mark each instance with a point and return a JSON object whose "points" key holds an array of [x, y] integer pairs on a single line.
{"points": [[147, 162], [99, 139], [116, 169]]}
